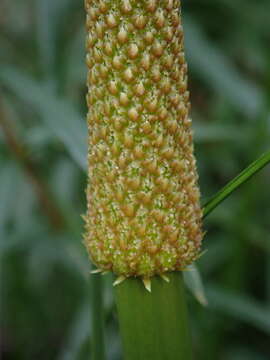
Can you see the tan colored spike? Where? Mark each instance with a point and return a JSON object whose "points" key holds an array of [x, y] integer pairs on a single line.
{"points": [[143, 216]]}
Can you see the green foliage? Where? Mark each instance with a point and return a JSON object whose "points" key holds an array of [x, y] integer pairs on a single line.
{"points": [[234, 184], [44, 267]]}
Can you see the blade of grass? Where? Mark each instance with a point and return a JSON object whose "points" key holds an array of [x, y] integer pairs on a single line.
{"points": [[45, 34], [77, 335], [245, 175], [40, 187], [57, 113], [240, 307], [210, 63], [193, 281]]}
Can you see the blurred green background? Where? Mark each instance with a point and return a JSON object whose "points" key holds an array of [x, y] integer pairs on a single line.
{"points": [[45, 292]]}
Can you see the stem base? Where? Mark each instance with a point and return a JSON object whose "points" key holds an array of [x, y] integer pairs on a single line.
{"points": [[154, 326]]}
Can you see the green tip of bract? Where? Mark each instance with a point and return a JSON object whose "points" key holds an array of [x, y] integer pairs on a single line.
{"points": [[165, 278], [96, 271], [119, 280], [147, 283], [145, 280]]}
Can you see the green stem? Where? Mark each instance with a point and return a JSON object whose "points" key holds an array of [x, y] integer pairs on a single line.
{"points": [[245, 175], [97, 345], [154, 325]]}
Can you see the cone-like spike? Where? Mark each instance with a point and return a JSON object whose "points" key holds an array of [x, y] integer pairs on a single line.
{"points": [[104, 272], [144, 216], [165, 278], [147, 283], [96, 271], [119, 280]]}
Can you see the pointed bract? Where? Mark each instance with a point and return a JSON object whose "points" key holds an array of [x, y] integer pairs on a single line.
{"points": [[147, 283], [119, 280]]}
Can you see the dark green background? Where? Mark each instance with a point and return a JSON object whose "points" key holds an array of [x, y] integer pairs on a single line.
{"points": [[45, 308]]}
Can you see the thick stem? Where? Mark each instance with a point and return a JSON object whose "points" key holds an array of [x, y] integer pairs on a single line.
{"points": [[154, 325]]}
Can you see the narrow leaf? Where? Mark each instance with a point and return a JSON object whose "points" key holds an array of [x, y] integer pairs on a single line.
{"points": [[240, 307], [44, 34], [246, 174], [193, 281], [218, 71], [57, 113], [77, 334]]}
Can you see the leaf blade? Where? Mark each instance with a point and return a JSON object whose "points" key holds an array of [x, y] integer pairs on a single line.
{"points": [[57, 114], [193, 281], [240, 179]]}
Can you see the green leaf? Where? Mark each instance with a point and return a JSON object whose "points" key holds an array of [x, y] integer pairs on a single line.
{"points": [[240, 307], [217, 71], [193, 281], [76, 70], [9, 180], [45, 34], [48, 23], [213, 132], [77, 334], [242, 353], [57, 114], [245, 175]]}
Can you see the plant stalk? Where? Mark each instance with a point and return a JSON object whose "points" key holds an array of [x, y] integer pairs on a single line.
{"points": [[154, 325]]}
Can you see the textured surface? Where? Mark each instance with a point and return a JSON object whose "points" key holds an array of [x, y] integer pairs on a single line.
{"points": [[143, 213]]}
